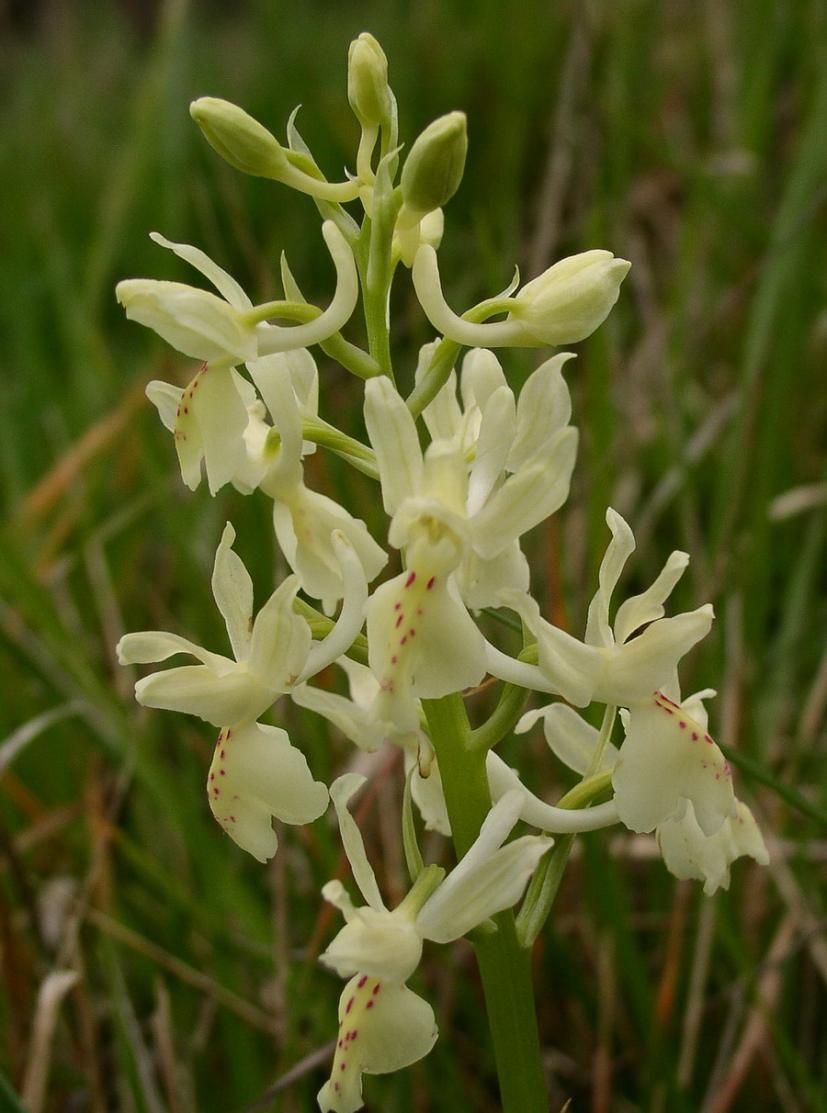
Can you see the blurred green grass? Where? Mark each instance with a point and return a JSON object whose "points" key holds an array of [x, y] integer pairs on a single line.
{"points": [[691, 139]]}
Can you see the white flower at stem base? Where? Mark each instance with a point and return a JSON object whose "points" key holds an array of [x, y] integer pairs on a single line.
{"points": [[563, 305], [608, 667], [271, 654], [670, 777], [384, 947], [256, 774], [229, 329]]}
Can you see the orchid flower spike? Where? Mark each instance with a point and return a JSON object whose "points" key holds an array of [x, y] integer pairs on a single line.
{"points": [[380, 949], [270, 654], [563, 305], [669, 777], [610, 666]]}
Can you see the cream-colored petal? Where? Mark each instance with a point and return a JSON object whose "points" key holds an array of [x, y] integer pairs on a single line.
{"points": [[280, 641], [481, 582], [496, 436], [166, 399], [482, 374], [210, 424], [383, 1027], [666, 759], [488, 879], [256, 774], [304, 527], [341, 791], [544, 407], [648, 606], [381, 944], [193, 321], [644, 664], [620, 548], [149, 646], [392, 433], [223, 282], [526, 498], [569, 737], [354, 721], [232, 590], [234, 697], [571, 668], [442, 416], [428, 795], [689, 853]]}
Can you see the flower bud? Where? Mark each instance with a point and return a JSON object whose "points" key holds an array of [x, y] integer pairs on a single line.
{"points": [[367, 81], [242, 141], [571, 299], [434, 168]]}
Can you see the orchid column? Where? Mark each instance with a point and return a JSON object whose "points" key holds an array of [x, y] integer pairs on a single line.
{"points": [[466, 468]]}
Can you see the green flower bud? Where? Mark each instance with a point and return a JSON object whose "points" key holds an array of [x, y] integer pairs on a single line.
{"points": [[571, 299], [242, 141], [434, 167], [367, 81]]}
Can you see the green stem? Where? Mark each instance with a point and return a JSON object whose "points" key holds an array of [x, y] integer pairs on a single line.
{"points": [[505, 968]]}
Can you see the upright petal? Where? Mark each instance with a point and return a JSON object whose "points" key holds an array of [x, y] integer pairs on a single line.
{"points": [[393, 434], [621, 547], [496, 436], [383, 1027], [543, 407], [342, 789], [280, 640], [648, 606], [223, 282], [526, 498], [257, 774], [232, 590]]}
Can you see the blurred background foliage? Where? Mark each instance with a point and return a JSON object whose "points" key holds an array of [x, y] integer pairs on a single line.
{"points": [[689, 137]]}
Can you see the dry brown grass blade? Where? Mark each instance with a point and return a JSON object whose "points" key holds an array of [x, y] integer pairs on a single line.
{"points": [[36, 1079], [756, 1030], [96, 440]]}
